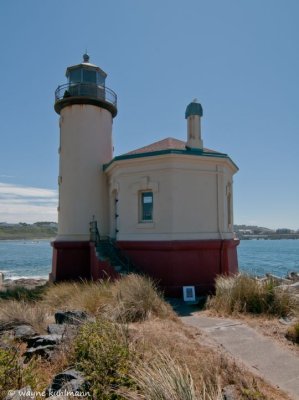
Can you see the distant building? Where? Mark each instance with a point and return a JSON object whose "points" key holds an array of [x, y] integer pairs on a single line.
{"points": [[284, 231], [167, 206], [245, 231]]}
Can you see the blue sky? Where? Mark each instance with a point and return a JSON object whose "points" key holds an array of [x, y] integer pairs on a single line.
{"points": [[239, 58]]}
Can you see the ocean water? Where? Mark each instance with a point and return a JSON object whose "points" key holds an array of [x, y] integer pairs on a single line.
{"points": [[278, 257], [19, 258], [25, 258]]}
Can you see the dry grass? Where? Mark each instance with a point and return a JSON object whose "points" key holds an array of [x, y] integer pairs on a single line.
{"points": [[137, 299], [132, 298], [210, 369], [13, 312], [92, 297], [244, 294], [155, 358], [162, 378]]}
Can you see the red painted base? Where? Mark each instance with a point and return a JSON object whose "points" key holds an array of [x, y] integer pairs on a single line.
{"points": [[174, 264], [71, 261], [78, 260]]}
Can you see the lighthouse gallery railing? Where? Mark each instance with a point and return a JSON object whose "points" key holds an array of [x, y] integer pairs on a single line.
{"points": [[87, 90]]}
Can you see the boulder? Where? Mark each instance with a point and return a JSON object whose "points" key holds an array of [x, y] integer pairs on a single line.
{"points": [[75, 317], [57, 329], [42, 351], [69, 380], [43, 340], [24, 393], [23, 332]]}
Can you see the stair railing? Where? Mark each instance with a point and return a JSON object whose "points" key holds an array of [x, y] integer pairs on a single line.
{"points": [[94, 232]]}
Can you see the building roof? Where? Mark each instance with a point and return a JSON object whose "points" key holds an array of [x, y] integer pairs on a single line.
{"points": [[167, 146]]}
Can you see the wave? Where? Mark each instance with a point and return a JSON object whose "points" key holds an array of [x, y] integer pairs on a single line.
{"points": [[17, 277]]}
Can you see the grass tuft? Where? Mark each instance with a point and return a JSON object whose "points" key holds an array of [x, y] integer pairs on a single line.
{"points": [[130, 299], [13, 312], [244, 294], [293, 333], [91, 297], [137, 299], [163, 378]]}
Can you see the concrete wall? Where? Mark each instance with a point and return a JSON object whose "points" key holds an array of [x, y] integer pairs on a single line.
{"points": [[85, 145], [190, 197]]}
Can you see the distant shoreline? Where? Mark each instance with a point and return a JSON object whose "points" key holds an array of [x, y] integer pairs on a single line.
{"points": [[33, 239], [50, 239]]}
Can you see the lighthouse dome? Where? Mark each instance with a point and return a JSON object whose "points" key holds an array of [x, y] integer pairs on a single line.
{"points": [[194, 108]]}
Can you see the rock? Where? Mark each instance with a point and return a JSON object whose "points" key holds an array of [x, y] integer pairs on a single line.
{"points": [[57, 329], [43, 340], [24, 331], [28, 283], [294, 287], [278, 279], [291, 288], [24, 393], [230, 392], [75, 317], [294, 276], [286, 321], [43, 351], [69, 380]]}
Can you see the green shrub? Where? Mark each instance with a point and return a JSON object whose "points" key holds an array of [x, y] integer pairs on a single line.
{"points": [[103, 353], [13, 374], [243, 293], [9, 371]]}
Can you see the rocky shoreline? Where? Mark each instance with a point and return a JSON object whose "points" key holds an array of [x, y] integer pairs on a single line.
{"points": [[27, 283]]}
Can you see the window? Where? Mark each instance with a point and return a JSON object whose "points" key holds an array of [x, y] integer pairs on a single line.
{"points": [[89, 76], [146, 206], [75, 76]]}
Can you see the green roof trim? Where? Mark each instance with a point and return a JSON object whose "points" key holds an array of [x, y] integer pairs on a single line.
{"points": [[189, 152], [194, 109]]}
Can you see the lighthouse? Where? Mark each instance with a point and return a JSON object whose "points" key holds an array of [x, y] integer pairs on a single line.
{"points": [[86, 108], [165, 209]]}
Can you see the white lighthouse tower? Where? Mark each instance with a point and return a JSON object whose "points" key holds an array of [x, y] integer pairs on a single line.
{"points": [[86, 108]]}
